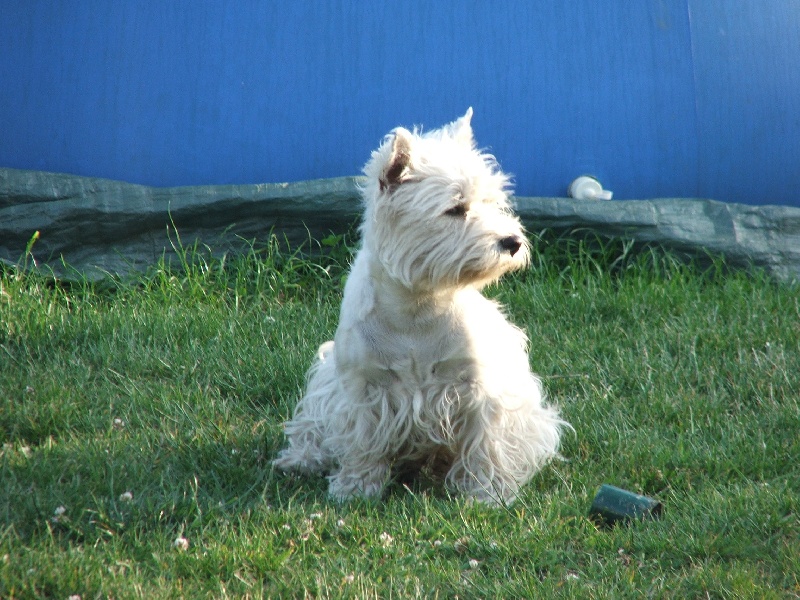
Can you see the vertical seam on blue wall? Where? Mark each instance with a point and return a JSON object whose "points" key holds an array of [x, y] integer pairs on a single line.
{"points": [[696, 125]]}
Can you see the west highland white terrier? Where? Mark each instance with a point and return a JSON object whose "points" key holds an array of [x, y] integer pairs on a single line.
{"points": [[424, 370]]}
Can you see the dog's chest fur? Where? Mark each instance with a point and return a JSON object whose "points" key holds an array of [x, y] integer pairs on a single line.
{"points": [[427, 353], [397, 335]]}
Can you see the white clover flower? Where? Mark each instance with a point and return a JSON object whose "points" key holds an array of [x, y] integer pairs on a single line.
{"points": [[349, 578], [386, 539], [125, 497], [59, 514], [315, 516], [119, 423], [180, 543], [340, 523], [473, 563]]}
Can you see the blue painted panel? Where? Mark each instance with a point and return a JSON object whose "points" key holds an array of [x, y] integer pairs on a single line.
{"points": [[747, 71], [173, 93]]}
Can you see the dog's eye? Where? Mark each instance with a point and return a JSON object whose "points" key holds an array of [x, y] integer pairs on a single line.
{"points": [[459, 210]]}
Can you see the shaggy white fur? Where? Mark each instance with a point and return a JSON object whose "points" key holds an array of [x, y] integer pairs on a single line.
{"points": [[423, 369]]}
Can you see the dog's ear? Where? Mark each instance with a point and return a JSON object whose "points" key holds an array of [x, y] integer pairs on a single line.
{"points": [[461, 130], [396, 168]]}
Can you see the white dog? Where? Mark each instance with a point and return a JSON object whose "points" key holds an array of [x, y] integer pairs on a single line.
{"points": [[423, 369]]}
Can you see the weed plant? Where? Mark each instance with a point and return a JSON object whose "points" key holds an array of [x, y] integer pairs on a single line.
{"points": [[138, 420]]}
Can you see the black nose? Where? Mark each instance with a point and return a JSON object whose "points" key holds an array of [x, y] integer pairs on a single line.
{"points": [[511, 243]]}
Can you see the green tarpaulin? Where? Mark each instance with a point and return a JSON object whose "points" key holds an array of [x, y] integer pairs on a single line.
{"points": [[99, 226]]}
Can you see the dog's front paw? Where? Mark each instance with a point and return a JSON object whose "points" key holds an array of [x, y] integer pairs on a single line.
{"points": [[475, 484], [287, 461], [347, 484], [300, 460]]}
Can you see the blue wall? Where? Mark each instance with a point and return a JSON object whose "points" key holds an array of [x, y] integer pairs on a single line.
{"points": [[657, 98]]}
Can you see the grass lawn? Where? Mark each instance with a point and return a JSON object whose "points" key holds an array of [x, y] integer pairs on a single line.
{"points": [[138, 421]]}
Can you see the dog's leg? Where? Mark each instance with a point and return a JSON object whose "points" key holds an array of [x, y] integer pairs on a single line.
{"points": [[366, 440], [502, 448], [474, 476], [351, 481], [363, 470]]}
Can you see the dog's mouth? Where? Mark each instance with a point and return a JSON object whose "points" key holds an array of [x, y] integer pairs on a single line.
{"points": [[481, 275]]}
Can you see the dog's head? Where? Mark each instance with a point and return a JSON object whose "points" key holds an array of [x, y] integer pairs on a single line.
{"points": [[437, 210]]}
